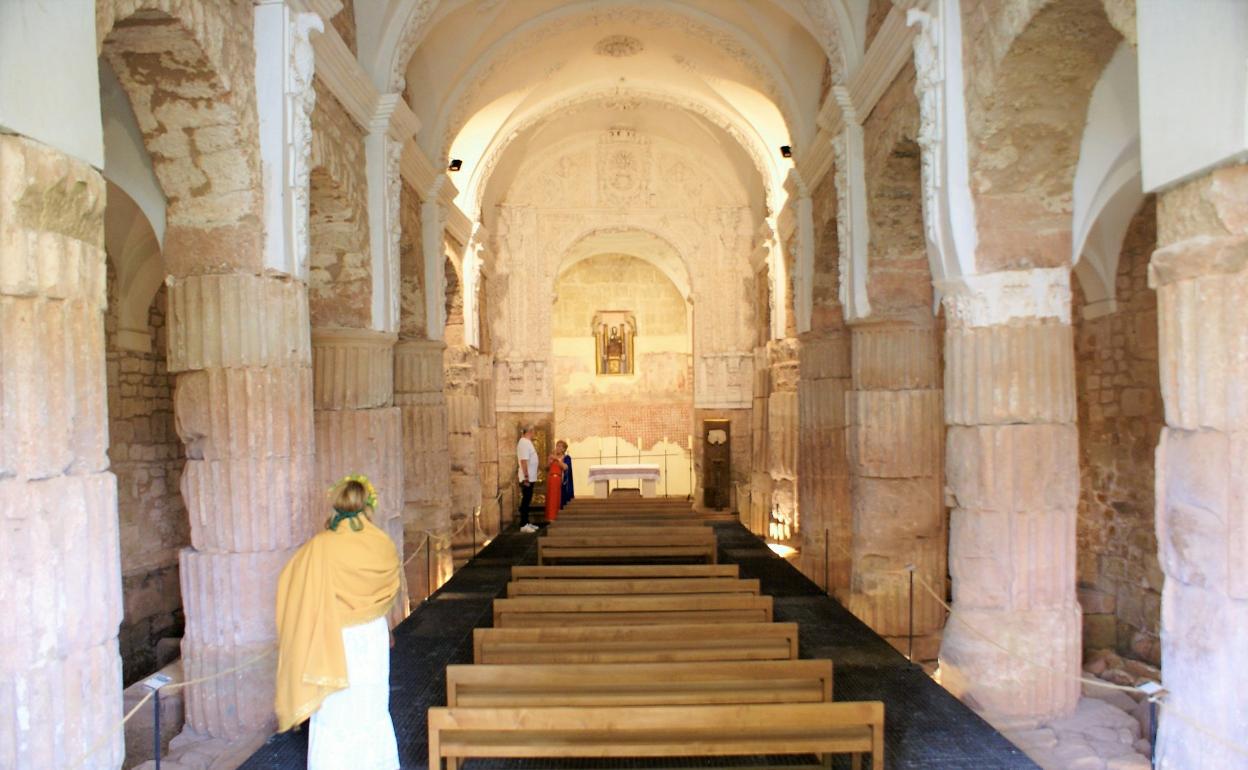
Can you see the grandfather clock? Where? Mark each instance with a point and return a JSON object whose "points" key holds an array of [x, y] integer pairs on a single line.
{"points": [[716, 464]]}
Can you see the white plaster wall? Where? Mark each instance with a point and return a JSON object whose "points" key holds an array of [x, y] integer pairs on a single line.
{"points": [[126, 162], [1108, 187], [48, 85], [1193, 87]]}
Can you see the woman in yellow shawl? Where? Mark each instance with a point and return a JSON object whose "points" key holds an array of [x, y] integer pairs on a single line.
{"points": [[334, 658]]}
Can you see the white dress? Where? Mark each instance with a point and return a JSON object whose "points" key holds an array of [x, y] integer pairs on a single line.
{"points": [[352, 729]]}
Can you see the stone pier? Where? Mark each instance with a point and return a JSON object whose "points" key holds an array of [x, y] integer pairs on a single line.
{"points": [[463, 413], [358, 428], [895, 438], [60, 675], [823, 470], [418, 393], [1012, 469], [1201, 276], [240, 346]]}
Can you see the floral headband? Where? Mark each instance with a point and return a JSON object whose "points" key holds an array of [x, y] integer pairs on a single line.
{"points": [[370, 501]]}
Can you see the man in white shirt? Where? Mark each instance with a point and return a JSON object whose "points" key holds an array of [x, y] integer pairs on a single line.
{"points": [[526, 457]]}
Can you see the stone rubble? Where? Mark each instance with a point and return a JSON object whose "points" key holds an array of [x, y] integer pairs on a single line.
{"points": [[1109, 728]]}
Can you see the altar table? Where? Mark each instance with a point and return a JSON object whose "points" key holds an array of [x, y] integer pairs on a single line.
{"points": [[601, 475]]}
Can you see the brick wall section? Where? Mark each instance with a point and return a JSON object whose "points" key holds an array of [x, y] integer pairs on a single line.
{"points": [[147, 457], [344, 22], [1120, 418]]}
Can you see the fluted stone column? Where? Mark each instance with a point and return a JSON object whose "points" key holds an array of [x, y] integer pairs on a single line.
{"points": [[1201, 276], [358, 428], [240, 345], [823, 469], [759, 513], [487, 449], [60, 674], [782, 438], [895, 446], [418, 392], [463, 418], [1012, 469]]}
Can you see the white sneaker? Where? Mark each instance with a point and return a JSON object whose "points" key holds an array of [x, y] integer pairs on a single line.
{"points": [[528, 528]]}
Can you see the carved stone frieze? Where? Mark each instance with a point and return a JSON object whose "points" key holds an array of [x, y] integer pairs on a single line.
{"points": [[724, 381], [522, 386]]}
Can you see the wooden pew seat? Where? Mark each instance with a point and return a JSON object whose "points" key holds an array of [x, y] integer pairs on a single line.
{"points": [[628, 610], [606, 586], [657, 731], [640, 684], [636, 644]]}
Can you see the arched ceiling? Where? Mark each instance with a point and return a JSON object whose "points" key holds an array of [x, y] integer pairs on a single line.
{"points": [[487, 77], [738, 175]]}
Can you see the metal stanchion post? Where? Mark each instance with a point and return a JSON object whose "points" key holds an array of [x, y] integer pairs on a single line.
{"points": [[428, 566], [156, 727], [827, 560], [910, 632], [474, 533], [1152, 732]]}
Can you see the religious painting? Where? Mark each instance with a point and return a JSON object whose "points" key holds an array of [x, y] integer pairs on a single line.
{"points": [[614, 332]]}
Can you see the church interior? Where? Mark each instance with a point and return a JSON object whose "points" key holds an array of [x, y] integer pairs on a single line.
{"points": [[942, 304]]}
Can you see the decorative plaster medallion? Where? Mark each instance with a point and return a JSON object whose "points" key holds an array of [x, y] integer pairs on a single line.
{"points": [[618, 46]]}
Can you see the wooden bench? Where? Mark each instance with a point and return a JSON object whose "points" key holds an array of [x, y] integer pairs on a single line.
{"points": [[657, 731], [640, 684], [622, 571], [609, 586], [630, 610], [631, 522], [636, 644], [644, 546]]}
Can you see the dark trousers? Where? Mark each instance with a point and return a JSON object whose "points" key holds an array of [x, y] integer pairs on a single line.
{"points": [[526, 497]]}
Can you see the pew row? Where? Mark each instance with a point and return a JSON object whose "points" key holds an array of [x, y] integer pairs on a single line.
{"points": [[601, 587], [636, 644], [853, 728], [640, 684], [641, 547], [623, 571], [631, 610]]}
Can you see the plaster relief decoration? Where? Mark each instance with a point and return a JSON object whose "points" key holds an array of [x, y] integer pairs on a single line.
{"points": [[948, 211], [853, 226], [614, 331], [522, 386], [724, 381], [618, 46], [624, 169]]}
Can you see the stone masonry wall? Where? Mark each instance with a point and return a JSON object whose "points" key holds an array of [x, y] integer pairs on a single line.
{"points": [[147, 457], [1120, 419]]}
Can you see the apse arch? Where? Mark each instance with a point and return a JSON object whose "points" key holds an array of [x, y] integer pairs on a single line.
{"points": [[771, 174], [638, 242]]}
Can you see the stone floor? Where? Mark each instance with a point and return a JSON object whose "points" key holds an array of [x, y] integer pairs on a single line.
{"points": [[926, 727]]}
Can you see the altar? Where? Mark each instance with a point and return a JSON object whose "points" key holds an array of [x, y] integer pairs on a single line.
{"points": [[601, 476]]}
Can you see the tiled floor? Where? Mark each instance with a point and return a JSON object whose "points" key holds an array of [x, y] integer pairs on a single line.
{"points": [[926, 728]]}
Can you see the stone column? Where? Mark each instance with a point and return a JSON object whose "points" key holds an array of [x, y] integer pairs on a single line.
{"points": [[487, 449], [895, 446], [759, 513], [240, 345], [1012, 469], [823, 469], [463, 421], [1201, 278], [782, 436], [418, 392], [60, 675], [358, 428]]}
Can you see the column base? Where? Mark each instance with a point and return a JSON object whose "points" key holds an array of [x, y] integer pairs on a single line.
{"points": [[1037, 678]]}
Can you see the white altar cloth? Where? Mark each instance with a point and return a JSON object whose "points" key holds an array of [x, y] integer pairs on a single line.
{"points": [[601, 475]]}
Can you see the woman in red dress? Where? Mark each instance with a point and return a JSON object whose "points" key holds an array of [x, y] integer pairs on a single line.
{"points": [[554, 480]]}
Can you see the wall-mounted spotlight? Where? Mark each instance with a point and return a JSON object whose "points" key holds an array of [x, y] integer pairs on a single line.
{"points": [[456, 165], [786, 151]]}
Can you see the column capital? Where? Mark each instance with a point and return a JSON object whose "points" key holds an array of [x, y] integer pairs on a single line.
{"points": [[995, 299]]}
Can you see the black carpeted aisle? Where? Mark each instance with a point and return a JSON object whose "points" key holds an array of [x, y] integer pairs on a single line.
{"points": [[926, 728]]}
